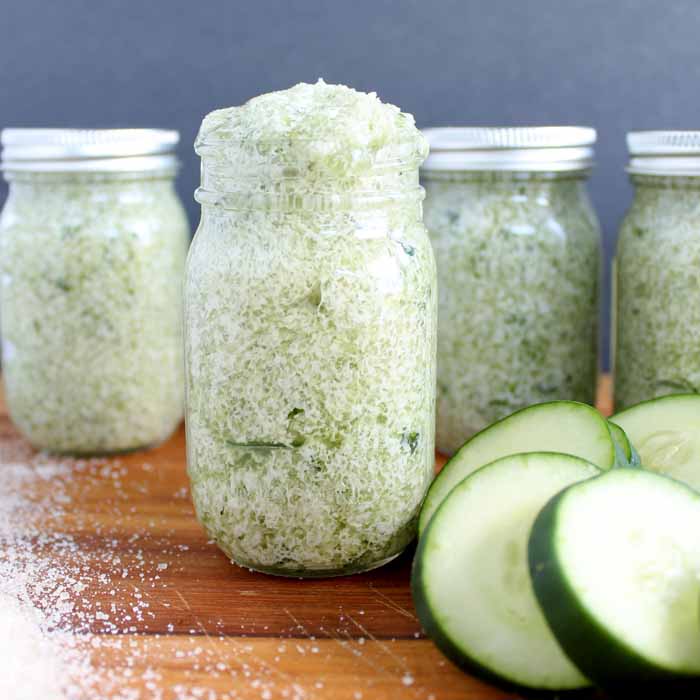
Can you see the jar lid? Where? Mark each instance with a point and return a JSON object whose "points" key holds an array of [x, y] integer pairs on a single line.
{"points": [[664, 152], [523, 149], [88, 150]]}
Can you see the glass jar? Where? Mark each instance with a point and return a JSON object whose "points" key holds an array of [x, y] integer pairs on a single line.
{"points": [[517, 245], [657, 270], [310, 323], [92, 246]]}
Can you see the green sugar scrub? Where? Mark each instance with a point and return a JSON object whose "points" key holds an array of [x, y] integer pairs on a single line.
{"points": [[310, 322], [92, 256], [517, 246]]}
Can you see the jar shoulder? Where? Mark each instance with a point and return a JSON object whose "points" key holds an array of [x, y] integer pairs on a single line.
{"points": [[483, 212], [71, 223], [93, 209], [661, 217]]}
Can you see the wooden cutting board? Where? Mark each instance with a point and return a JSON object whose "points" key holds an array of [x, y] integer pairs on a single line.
{"points": [[157, 611]]}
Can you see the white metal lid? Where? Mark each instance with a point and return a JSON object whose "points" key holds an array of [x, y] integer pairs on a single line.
{"points": [[532, 148], [88, 150], [664, 152]]}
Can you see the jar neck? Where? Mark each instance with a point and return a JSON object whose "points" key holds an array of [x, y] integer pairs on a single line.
{"points": [[57, 179], [506, 178], [287, 188], [75, 191], [668, 183], [552, 188]]}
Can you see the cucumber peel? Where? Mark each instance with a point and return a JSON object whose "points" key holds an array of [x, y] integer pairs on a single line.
{"points": [[625, 454], [470, 578], [615, 566]]}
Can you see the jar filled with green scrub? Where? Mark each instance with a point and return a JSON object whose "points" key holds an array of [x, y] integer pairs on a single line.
{"points": [[657, 270], [517, 245], [310, 326], [92, 246]]}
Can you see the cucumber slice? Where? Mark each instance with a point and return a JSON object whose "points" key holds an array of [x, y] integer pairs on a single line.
{"points": [[666, 432], [626, 455], [615, 564], [621, 441], [557, 426], [470, 578]]}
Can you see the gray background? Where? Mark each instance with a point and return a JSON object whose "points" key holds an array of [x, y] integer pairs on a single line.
{"points": [[613, 65]]}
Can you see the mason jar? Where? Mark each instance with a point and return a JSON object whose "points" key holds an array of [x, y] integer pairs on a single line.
{"points": [[517, 245], [310, 323], [92, 247], [657, 270]]}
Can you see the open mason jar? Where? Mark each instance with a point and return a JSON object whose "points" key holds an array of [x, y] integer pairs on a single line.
{"points": [[310, 321], [517, 246], [92, 246]]}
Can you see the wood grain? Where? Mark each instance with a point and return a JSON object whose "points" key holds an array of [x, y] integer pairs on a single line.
{"points": [[185, 623]]}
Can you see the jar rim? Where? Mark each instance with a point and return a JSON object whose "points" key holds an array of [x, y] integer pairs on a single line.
{"points": [[516, 149], [515, 176], [665, 167], [675, 153]]}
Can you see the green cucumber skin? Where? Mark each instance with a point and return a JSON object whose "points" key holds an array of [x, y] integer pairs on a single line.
{"points": [[443, 643], [457, 656], [621, 459], [623, 447], [610, 664], [625, 453]]}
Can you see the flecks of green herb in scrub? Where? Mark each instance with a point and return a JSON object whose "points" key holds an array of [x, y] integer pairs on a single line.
{"points": [[297, 441], [515, 319], [410, 440], [70, 231], [315, 296], [408, 249], [258, 445]]}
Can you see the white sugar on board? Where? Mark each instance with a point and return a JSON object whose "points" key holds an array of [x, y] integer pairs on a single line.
{"points": [[41, 656], [54, 652], [30, 663]]}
